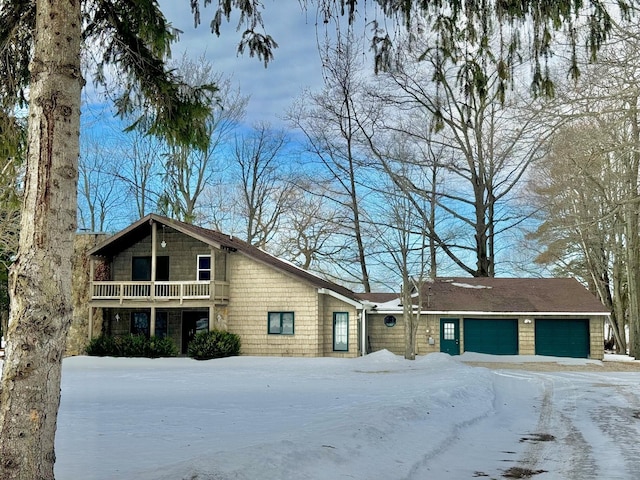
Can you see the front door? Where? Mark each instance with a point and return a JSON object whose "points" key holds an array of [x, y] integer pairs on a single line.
{"points": [[193, 322], [450, 336]]}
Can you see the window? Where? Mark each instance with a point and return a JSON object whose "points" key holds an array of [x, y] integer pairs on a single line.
{"points": [[390, 321], [204, 267], [141, 269], [341, 332], [449, 331], [161, 325], [281, 323], [140, 324]]}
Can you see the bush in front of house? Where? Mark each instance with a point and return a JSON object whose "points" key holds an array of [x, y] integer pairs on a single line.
{"points": [[214, 344], [131, 346]]}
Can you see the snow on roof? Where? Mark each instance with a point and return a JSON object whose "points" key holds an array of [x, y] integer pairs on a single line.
{"points": [[467, 285]]}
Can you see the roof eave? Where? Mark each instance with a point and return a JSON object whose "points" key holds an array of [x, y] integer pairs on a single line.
{"points": [[496, 314]]}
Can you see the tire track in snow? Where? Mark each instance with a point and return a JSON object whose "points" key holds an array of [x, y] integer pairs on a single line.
{"points": [[468, 439], [568, 455], [620, 423]]}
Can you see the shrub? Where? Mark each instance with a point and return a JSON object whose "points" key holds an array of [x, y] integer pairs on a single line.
{"points": [[102, 346], [131, 346], [214, 344]]}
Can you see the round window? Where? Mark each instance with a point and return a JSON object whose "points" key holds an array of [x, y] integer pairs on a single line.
{"points": [[390, 321]]}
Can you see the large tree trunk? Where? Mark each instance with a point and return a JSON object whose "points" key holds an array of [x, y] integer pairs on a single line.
{"points": [[40, 283]]}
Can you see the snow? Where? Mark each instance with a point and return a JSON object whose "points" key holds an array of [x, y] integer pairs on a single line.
{"points": [[374, 417], [468, 285]]}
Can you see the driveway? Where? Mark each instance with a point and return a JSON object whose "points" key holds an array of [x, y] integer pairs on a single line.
{"points": [[586, 422]]}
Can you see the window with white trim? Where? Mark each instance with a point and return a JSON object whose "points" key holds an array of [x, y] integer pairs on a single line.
{"points": [[204, 267]]}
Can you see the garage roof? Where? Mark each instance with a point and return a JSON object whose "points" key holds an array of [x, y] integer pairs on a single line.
{"points": [[502, 295]]}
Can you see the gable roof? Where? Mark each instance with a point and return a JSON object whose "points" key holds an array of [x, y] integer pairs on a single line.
{"points": [[142, 228], [503, 296]]}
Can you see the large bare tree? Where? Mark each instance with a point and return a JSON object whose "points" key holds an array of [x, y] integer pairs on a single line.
{"points": [[577, 187], [331, 120], [485, 143]]}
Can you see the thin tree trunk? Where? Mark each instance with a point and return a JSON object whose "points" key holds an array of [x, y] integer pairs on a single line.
{"points": [[40, 283], [632, 217], [408, 318]]}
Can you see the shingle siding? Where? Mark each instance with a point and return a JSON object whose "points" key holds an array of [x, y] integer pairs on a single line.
{"points": [[256, 290], [330, 306], [182, 250], [392, 338]]}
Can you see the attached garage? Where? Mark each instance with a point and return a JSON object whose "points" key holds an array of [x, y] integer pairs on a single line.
{"points": [[562, 337], [497, 316], [492, 336]]}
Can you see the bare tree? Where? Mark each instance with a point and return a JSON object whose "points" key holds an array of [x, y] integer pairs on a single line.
{"points": [[311, 235], [331, 122], [187, 171], [12, 156], [255, 194], [142, 165], [403, 235], [485, 146], [576, 188], [98, 188], [604, 110]]}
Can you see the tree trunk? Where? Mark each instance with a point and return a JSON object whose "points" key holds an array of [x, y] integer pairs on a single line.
{"points": [[408, 318], [632, 217], [40, 283]]}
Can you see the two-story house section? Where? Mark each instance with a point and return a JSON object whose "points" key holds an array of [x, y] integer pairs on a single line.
{"points": [[165, 278]]}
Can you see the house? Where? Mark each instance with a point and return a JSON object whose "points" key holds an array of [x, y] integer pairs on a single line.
{"points": [[165, 278], [501, 316]]}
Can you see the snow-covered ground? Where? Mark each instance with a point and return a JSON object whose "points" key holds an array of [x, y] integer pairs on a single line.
{"points": [[375, 417]]}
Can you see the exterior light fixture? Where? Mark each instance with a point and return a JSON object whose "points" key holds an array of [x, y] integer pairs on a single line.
{"points": [[163, 244]]}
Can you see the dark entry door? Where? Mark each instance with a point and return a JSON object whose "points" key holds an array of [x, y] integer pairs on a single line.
{"points": [[450, 336], [193, 322]]}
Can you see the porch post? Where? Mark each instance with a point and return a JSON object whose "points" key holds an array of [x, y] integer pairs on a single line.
{"points": [[363, 330], [152, 322], [91, 279], [90, 322], [212, 312], [154, 237], [212, 280]]}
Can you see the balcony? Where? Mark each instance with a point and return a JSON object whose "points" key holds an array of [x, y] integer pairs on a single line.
{"points": [[160, 291]]}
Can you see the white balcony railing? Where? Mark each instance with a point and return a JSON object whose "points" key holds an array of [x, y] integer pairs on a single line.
{"points": [[161, 291]]}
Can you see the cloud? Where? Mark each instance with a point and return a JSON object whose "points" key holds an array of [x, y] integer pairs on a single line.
{"points": [[296, 65]]}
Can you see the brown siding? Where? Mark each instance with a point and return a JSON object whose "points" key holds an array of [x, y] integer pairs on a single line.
{"points": [[182, 250]]}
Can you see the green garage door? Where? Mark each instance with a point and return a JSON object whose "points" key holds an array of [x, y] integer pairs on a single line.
{"points": [[562, 337], [493, 336]]}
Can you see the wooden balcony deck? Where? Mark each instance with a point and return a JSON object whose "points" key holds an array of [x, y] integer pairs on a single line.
{"points": [[160, 291]]}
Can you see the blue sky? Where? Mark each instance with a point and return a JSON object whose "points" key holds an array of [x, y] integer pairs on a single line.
{"points": [[296, 65]]}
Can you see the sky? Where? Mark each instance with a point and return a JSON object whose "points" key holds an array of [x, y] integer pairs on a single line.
{"points": [[378, 417], [296, 65]]}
